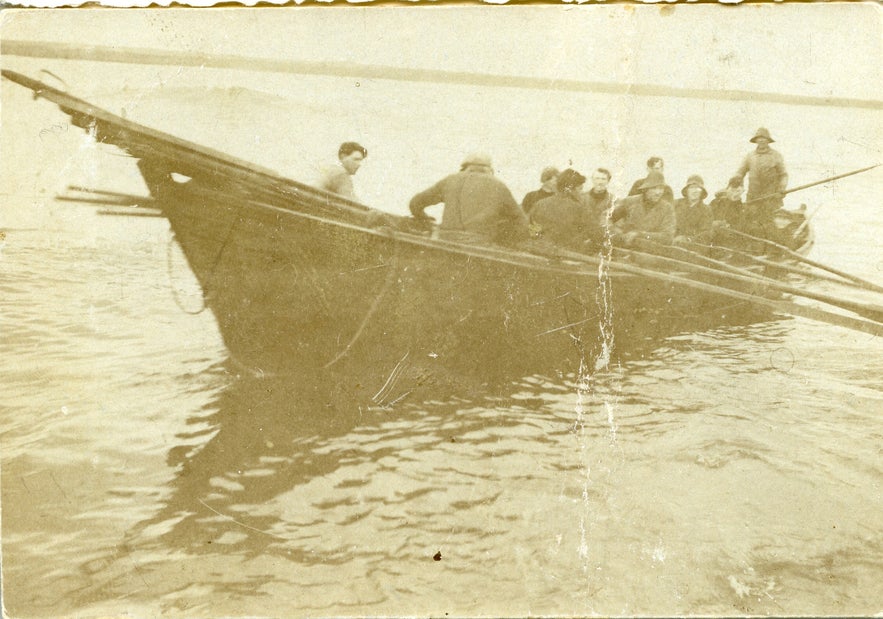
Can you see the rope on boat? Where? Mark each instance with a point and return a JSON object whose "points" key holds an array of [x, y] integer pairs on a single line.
{"points": [[391, 275], [175, 295]]}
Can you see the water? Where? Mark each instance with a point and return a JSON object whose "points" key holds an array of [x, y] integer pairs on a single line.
{"points": [[726, 471]]}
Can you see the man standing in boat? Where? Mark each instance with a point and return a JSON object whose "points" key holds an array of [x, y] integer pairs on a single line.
{"points": [[647, 217], [654, 164], [478, 207], [339, 177], [767, 182]]}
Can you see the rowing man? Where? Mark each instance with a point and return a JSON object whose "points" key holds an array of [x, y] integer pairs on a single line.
{"points": [[339, 177], [478, 206]]}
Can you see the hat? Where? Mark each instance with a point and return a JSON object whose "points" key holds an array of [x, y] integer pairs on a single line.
{"points": [[548, 174], [695, 181], [761, 133], [477, 159], [570, 179], [654, 179]]}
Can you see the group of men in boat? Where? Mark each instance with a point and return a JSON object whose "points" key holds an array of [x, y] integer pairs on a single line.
{"points": [[480, 207]]}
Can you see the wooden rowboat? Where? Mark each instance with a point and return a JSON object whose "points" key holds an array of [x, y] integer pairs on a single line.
{"points": [[302, 280]]}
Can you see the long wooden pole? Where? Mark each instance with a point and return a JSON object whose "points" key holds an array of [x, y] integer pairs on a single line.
{"points": [[787, 268], [858, 280], [786, 307], [813, 184], [868, 310]]}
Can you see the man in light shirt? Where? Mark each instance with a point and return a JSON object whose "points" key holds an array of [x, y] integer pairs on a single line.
{"points": [[339, 178]]}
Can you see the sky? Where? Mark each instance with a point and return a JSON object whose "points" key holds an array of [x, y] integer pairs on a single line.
{"points": [[813, 49]]}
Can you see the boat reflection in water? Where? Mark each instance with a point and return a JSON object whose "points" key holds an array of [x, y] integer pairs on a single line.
{"points": [[267, 441]]}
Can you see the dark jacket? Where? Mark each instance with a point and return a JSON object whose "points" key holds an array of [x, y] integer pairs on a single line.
{"points": [[599, 204], [475, 203], [655, 223], [533, 197], [730, 211], [693, 222], [567, 221]]}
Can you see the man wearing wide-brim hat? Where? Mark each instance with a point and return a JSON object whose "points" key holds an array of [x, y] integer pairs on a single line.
{"points": [[647, 217], [767, 178], [478, 206], [693, 216]]}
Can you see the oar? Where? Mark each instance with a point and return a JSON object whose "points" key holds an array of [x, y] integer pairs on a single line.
{"points": [[780, 265], [813, 184], [858, 280], [874, 312], [785, 307]]}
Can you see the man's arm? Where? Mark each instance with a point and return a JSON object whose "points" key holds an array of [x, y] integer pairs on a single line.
{"points": [[426, 198], [783, 173], [746, 165]]}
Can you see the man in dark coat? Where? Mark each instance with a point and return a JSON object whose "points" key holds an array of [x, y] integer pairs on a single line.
{"points": [[565, 219], [727, 206], [647, 217], [549, 180], [654, 164], [478, 207], [693, 217], [598, 198]]}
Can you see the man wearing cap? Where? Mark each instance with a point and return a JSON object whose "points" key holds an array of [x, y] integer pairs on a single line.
{"points": [[478, 207], [565, 219], [647, 217], [549, 179], [654, 164], [693, 218], [339, 178], [767, 177]]}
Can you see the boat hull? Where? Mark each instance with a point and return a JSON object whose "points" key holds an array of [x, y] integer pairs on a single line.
{"points": [[296, 292]]}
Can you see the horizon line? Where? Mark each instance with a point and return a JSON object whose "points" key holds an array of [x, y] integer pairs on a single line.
{"points": [[135, 55]]}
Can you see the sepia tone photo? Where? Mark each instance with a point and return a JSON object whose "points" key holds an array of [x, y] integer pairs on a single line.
{"points": [[442, 310]]}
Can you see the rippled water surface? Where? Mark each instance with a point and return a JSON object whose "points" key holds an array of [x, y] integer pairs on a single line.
{"points": [[721, 471]]}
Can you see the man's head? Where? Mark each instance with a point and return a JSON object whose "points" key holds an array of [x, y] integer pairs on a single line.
{"points": [[570, 181], [694, 189], [655, 164], [762, 138], [351, 155], [477, 162], [549, 178], [600, 180], [653, 187], [734, 189]]}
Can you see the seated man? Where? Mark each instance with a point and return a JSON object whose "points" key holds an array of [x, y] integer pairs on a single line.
{"points": [[598, 198], [565, 219], [549, 180], [727, 206], [339, 177], [647, 217], [693, 218], [654, 164], [478, 207]]}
